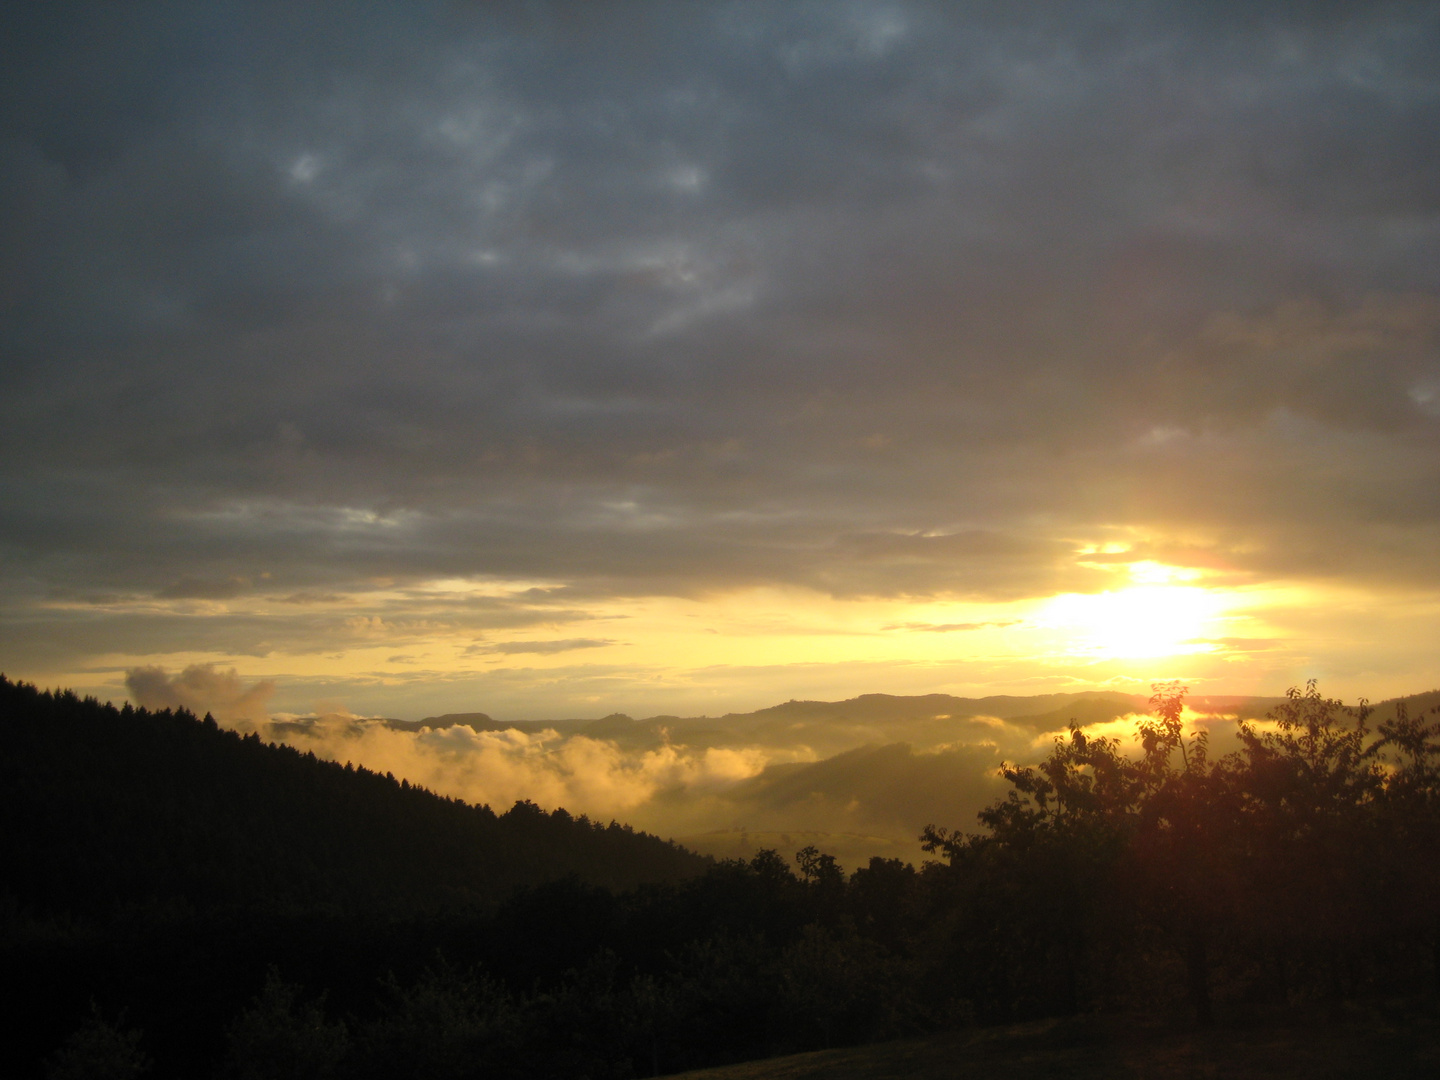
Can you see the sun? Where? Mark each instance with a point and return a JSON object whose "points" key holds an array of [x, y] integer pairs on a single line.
{"points": [[1136, 622]]}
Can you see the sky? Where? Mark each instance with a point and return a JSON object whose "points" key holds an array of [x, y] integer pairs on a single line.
{"points": [[557, 360]]}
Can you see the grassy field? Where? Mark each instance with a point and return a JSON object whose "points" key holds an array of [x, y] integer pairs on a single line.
{"points": [[1378, 1042]]}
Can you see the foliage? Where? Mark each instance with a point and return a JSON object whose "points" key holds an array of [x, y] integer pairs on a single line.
{"points": [[281, 1037], [1274, 871], [111, 809], [98, 1050], [186, 867]]}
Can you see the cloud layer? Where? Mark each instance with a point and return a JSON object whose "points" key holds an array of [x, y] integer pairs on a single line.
{"points": [[857, 778], [303, 315]]}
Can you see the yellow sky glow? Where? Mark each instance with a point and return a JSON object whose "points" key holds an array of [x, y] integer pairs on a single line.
{"points": [[1139, 622], [749, 648]]}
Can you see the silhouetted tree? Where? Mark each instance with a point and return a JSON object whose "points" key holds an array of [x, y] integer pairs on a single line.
{"points": [[281, 1037], [1183, 844], [449, 1024], [1309, 783], [1410, 810], [160, 863], [98, 1050]]}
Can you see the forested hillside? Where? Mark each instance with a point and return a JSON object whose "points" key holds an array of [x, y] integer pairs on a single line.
{"points": [[250, 912], [108, 810]]}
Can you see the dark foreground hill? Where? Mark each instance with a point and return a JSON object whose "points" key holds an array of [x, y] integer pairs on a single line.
{"points": [[1390, 1043], [111, 810], [155, 865], [229, 909]]}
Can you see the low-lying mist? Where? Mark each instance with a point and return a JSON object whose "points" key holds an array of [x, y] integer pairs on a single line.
{"points": [[856, 778]]}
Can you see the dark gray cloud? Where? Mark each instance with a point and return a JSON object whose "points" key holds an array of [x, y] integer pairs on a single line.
{"points": [[876, 298], [542, 647], [201, 689]]}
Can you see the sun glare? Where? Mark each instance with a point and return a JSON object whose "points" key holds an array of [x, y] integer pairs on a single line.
{"points": [[1140, 621]]}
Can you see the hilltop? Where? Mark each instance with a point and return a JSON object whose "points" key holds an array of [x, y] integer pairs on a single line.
{"points": [[110, 810]]}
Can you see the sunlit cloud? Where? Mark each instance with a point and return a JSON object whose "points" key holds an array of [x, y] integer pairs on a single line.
{"points": [[1139, 622], [788, 351]]}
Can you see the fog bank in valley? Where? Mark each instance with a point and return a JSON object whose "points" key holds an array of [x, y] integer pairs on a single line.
{"points": [[856, 778]]}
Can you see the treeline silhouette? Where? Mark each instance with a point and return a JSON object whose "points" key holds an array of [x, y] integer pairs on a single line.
{"points": [[109, 810], [1303, 865], [1301, 868]]}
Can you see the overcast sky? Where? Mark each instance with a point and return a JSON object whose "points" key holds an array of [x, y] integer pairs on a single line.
{"points": [[561, 358]]}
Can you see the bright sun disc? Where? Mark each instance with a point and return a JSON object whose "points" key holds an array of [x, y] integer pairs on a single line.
{"points": [[1142, 621]]}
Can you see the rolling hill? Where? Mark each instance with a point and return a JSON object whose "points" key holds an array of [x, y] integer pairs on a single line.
{"points": [[108, 810]]}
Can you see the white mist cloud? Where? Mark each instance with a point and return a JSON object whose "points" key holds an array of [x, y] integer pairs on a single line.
{"points": [[856, 778], [850, 791], [585, 775]]}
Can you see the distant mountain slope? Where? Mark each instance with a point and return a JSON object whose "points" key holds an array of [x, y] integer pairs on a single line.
{"points": [[831, 727], [923, 720], [106, 810], [1415, 705], [871, 708], [883, 767], [828, 727]]}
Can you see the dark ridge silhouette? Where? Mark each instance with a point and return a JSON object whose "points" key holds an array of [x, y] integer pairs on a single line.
{"points": [[475, 721], [890, 707], [1044, 712], [108, 810]]}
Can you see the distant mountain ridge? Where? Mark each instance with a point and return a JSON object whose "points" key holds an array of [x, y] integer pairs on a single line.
{"points": [[863, 776], [865, 708], [1042, 712], [837, 726], [871, 707], [857, 777]]}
